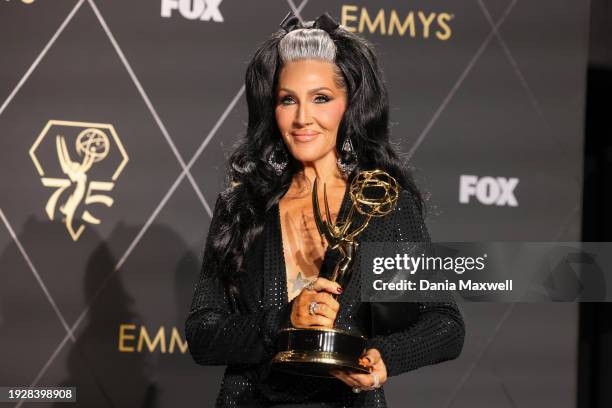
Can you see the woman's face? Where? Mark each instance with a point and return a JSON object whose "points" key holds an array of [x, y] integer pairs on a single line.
{"points": [[309, 108]]}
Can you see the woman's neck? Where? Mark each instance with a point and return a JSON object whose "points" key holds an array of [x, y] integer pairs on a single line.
{"points": [[325, 170]]}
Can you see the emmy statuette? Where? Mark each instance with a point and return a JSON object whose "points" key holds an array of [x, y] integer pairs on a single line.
{"points": [[314, 351]]}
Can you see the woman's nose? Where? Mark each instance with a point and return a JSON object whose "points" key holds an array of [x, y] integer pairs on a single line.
{"points": [[302, 117]]}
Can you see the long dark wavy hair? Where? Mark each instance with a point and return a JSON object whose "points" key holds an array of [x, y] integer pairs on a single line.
{"points": [[255, 187]]}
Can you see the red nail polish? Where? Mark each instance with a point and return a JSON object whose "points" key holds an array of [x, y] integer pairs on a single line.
{"points": [[339, 289]]}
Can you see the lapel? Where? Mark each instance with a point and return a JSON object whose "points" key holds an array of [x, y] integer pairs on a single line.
{"points": [[274, 283]]}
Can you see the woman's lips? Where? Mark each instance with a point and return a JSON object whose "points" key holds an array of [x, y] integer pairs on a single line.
{"points": [[303, 137]]}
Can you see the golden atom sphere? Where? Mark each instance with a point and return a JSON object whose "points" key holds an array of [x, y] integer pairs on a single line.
{"points": [[374, 192], [93, 142]]}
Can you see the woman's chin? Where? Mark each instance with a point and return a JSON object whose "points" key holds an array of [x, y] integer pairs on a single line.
{"points": [[307, 155]]}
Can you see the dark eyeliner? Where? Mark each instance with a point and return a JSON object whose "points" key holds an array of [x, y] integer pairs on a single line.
{"points": [[283, 99]]}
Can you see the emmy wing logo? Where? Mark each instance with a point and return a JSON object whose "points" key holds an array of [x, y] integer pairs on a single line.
{"points": [[80, 163]]}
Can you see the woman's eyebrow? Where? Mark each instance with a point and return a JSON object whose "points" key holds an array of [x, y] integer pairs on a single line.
{"points": [[311, 91]]}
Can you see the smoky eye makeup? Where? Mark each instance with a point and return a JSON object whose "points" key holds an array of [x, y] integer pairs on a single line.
{"points": [[320, 98], [284, 99]]}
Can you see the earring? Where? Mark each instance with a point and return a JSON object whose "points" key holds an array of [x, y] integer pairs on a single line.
{"points": [[347, 148], [278, 159]]}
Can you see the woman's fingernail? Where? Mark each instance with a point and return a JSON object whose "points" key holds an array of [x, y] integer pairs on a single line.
{"points": [[365, 361], [339, 289]]}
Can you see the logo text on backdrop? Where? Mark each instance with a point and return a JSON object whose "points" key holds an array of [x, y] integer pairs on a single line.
{"points": [[78, 160]]}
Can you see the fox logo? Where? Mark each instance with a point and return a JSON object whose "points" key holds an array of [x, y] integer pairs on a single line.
{"points": [[204, 10], [488, 190]]}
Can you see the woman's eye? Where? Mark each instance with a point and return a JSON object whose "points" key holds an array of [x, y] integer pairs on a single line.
{"points": [[321, 99], [286, 100]]}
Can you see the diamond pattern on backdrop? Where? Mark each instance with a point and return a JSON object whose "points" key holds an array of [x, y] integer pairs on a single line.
{"points": [[189, 138]]}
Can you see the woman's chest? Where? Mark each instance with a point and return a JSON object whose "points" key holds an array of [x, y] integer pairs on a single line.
{"points": [[303, 246]]}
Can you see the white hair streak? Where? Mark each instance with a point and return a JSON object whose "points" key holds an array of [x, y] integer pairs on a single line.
{"points": [[307, 43]]}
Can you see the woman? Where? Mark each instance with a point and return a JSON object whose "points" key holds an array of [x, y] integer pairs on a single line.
{"points": [[317, 108]]}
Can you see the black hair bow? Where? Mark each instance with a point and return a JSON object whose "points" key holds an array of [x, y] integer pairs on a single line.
{"points": [[323, 22]]}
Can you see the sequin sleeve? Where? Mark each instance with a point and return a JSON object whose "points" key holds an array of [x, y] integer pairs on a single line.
{"points": [[217, 333], [439, 331]]}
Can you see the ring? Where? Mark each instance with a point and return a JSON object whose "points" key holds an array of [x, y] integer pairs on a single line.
{"points": [[310, 285], [312, 308], [376, 378], [356, 390]]}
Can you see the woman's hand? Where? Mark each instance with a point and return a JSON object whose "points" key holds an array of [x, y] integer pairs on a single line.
{"points": [[359, 382], [304, 312]]}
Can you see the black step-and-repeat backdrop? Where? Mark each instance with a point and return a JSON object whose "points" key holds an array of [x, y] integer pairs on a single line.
{"points": [[99, 253]]}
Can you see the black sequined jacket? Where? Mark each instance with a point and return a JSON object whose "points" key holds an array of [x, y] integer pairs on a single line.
{"points": [[242, 337]]}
